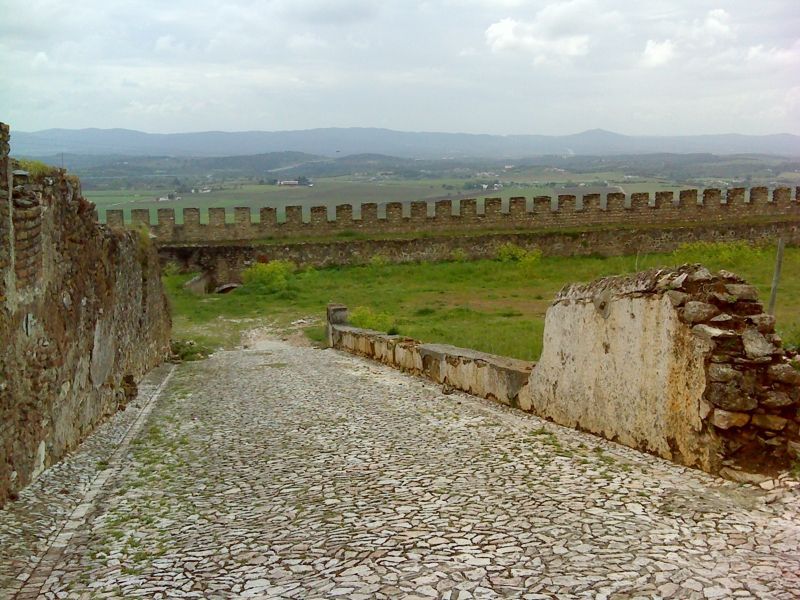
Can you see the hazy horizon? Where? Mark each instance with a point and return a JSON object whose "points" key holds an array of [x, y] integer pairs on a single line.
{"points": [[481, 133], [496, 67]]}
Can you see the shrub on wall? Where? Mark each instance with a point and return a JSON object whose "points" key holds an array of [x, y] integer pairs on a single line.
{"points": [[379, 260], [268, 278], [527, 260], [458, 255], [509, 252]]}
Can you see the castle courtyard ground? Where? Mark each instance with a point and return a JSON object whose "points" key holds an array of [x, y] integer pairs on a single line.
{"points": [[280, 471]]}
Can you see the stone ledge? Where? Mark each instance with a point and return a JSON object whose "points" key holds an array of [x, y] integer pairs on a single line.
{"points": [[486, 375]]}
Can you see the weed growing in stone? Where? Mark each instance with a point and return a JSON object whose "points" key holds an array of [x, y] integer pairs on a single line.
{"points": [[188, 350], [458, 255], [378, 260]]}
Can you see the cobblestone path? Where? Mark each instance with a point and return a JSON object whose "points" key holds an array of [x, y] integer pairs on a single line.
{"points": [[287, 472]]}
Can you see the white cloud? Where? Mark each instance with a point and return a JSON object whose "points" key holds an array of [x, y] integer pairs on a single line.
{"points": [[531, 38], [40, 59], [657, 53], [715, 27], [781, 57], [709, 44]]}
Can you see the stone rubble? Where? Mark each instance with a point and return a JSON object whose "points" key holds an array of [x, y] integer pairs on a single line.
{"points": [[286, 472]]}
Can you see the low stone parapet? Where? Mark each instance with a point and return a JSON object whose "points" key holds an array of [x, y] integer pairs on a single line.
{"points": [[486, 375]]}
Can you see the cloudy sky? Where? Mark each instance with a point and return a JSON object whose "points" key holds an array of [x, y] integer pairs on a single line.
{"points": [[478, 66]]}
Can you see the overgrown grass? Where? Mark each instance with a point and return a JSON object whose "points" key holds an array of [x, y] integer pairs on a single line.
{"points": [[368, 318], [36, 168], [489, 305]]}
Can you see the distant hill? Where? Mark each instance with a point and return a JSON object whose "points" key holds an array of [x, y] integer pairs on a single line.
{"points": [[334, 142]]}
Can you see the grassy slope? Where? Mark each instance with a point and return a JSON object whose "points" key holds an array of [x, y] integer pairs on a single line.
{"points": [[487, 305]]}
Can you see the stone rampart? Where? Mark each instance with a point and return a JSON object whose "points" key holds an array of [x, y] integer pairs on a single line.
{"points": [[223, 263], [682, 363], [539, 213], [82, 317]]}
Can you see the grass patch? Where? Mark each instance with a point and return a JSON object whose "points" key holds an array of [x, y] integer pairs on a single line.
{"points": [[316, 334], [36, 168], [368, 318], [489, 305]]}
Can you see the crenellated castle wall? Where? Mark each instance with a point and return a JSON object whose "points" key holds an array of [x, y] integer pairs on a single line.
{"points": [[542, 212]]}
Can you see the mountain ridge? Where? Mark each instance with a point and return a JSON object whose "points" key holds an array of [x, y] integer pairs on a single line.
{"points": [[335, 141]]}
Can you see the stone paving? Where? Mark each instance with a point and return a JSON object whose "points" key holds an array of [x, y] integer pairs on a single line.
{"points": [[288, 472]]}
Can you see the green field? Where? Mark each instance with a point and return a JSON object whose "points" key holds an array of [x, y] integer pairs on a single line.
{"points": [[333, 191], [489, 305]]}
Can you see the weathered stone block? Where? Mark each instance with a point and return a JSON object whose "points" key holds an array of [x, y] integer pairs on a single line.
{"points": [[742, 291], [764, 322], [784, 373], [697, 312], [724, 419], [755, 344], [770, 422], [713, 334], [723, 373], [699, 275], [479, 373], [677, 298], [729, 396], [776, 399]]}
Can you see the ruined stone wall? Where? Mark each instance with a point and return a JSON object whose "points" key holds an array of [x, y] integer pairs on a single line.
{"points": [[542, 212], [82, 317], [681, 363], [224, 262]]}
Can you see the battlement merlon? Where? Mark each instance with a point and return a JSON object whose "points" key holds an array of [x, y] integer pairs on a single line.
{"points": [[566, 211]]}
